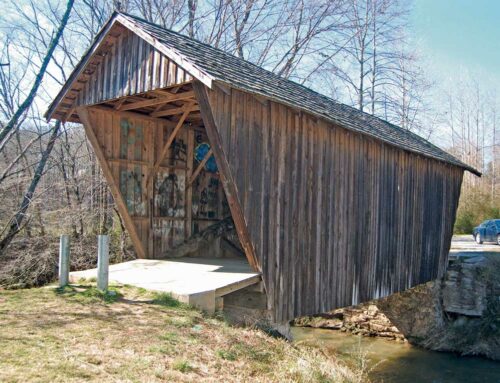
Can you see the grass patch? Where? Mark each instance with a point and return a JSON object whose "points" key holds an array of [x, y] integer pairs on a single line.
{"points": [[257, 354], [89, 294], [226, 355], [170, 337], [81, 334], [166, 299], [182, 366], [180, 321]]}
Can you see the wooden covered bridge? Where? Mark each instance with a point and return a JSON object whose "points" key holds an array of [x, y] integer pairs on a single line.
{"points": [[332, 206]]}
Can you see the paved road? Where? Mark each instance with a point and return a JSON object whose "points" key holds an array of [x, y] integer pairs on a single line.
{"points": [[464, 245]]}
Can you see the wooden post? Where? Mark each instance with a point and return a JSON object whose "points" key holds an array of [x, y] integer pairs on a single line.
{"points": [[102, 262], [225, 174], [189, 190], [63, 261]]}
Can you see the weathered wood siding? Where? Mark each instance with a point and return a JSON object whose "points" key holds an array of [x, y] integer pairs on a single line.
{"points": [[131, 145], [336, 218], [128, 66]]}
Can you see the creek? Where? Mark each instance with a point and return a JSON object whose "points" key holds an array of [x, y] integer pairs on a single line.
{"points": [[398, 362]]}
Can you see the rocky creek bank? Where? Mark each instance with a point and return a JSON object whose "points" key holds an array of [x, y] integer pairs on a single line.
{"points": [[458, 313]]}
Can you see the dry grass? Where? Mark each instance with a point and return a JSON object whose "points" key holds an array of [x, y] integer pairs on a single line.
{"points": [[130, 335]]}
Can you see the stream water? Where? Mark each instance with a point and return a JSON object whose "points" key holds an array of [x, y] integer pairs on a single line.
{"points": [[393, 362]]}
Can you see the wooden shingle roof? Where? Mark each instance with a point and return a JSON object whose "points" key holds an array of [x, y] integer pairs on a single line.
{"points": [[212, 64]]}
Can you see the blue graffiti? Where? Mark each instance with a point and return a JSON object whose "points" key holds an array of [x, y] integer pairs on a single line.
{"points": [[200, 152]]}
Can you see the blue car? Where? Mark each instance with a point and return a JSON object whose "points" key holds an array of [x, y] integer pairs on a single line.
{"points": [[488, 231]]}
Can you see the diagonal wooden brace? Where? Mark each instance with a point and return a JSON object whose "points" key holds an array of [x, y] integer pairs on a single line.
{"points": [[159, 100], [170, 139], [200, 166]]}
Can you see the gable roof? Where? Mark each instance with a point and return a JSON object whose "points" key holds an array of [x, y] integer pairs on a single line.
{"points": [[209, 64]]}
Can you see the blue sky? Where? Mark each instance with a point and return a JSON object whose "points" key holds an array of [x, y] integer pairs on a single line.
{"points": [[459, 35]]}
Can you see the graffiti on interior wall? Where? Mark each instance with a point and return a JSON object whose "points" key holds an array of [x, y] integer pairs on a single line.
{"points": [[178, 151], [131, 190], [131, 148], [168, 233], [206, 198], [131, 140], [169, 198], [212, 192], [200, 152]]}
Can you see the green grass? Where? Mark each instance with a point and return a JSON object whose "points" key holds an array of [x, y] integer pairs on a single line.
{"points": [[165, 299], [226, 354], [170, 337], [80, 334], [89, 294], [182, 366]]}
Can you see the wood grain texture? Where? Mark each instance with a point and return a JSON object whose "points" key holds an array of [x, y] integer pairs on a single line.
{"points": [[91, 125], [341, 218], [123, 66], [129, 148], [228, 181], [330, 216]]}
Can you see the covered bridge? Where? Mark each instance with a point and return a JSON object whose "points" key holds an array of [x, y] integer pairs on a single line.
{"points": [[331, 205]]}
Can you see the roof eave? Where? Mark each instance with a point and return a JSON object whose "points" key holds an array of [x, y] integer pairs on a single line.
{"points": [[458, 163], [80, 66], [472, 170], [117, 17]]}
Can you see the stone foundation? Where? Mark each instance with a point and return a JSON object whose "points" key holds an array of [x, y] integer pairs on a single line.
{"points": [[366, 320]]}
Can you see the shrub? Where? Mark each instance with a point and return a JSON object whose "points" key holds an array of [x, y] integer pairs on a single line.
{"points": [[465, 222], [476, 206], [32, 262]]}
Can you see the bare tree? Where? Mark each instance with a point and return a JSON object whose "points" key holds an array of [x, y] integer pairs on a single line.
{"points": [[17, 220], [355, 50], [26, 104], [369, 58]]}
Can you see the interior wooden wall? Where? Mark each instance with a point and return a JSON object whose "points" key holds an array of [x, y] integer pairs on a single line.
{"points": [[166, 211], [335, 218]]}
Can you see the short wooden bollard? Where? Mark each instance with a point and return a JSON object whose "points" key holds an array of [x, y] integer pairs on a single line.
{"points": [[102, 262], [63, 261]]}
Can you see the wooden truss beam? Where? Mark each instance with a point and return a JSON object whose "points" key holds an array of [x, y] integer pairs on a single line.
{"points": [[165, 92], [188, 224], [142, 163], [83, 113], [126, 113], [120, 103], [225, 173], [170, 139], [71, 110], [200, 167], [158, 100], [171, 112]]}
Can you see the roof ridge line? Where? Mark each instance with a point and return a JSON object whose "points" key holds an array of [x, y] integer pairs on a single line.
{"points": [[209, 64], [325, 97]]}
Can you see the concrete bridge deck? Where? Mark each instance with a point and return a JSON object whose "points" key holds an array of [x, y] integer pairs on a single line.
{"points": [[196, 281]]}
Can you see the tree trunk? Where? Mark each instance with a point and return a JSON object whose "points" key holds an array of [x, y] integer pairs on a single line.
{"points": [[123, 236], [17, 220], [192, 4], [38, 79]]}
